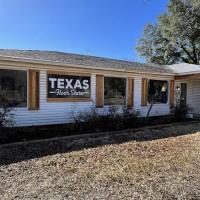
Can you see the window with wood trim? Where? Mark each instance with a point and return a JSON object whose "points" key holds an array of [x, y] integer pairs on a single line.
{"points": [[99, 90], [157, 91], [34, 90], [13, 88], [114, 91]]}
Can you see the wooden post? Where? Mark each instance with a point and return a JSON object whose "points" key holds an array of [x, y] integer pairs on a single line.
{"points": [[34, 90], [130, 101], [144, 92], [99, 91]]}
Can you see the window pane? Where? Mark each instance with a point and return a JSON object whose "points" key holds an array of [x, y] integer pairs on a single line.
{"points": [[157, 91], [13, 88], [114, 91]]}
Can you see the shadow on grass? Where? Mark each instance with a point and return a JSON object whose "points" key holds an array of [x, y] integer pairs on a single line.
{"points": [[16, 153]]}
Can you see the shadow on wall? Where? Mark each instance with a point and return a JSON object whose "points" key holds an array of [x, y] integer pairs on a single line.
{"points": [[16, 153]]}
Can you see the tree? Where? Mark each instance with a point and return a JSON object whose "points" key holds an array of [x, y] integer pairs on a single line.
{"points": [[176, 36]]}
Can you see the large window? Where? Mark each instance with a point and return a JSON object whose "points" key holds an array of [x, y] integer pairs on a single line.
{"points": [[114, 91], [13, 88], [157, 91]]}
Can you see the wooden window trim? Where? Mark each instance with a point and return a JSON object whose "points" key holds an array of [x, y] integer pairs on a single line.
{"points": [[34, 90], [99, 91], [144, 92], [130, 95]]}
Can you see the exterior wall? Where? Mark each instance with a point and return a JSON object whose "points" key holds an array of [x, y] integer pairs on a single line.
{"points": [[52, 112], [193, 94], [157, 110], [63, 112]]}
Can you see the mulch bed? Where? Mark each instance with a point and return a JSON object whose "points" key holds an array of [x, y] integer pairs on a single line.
{"points": [[10, 135]]}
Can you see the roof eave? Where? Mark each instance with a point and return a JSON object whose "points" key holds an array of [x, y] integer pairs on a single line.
{"points": [[187, 73], [55, 63]]}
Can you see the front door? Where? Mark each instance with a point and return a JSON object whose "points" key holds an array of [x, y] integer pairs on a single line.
{"points": [[183, 99]]}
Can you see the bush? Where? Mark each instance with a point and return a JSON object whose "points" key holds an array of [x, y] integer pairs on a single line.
{"points": [[114, 120], [131, 118], [6, 117], [6, 120], [180, 112]]}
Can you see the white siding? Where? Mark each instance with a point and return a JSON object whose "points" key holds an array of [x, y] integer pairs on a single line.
{"points": [[157, 110], [194, 96], [52, 113], [63, 112]]}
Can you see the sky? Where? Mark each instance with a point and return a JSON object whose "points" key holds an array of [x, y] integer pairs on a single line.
{"points": [[106, 28]]}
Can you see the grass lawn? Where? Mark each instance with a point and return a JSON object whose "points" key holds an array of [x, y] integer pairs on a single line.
{"points": [[164, 168]]}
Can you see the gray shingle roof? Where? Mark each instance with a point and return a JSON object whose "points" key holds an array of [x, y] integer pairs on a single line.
{"points": [[82, 60]]}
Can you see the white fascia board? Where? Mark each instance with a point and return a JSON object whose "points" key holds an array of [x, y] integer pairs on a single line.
{"points": [[187, 73]]}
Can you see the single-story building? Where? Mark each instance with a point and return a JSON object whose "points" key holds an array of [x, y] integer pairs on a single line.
{"points": [[46, 87]]}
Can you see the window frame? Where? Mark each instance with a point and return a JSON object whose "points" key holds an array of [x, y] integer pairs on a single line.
{"points": [[27, 85], [168, 91], [126, 90]]}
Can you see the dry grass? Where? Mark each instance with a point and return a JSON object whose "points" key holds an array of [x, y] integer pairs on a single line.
{"points": [[159, 169]]}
